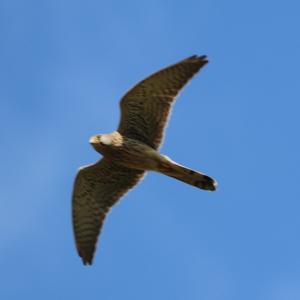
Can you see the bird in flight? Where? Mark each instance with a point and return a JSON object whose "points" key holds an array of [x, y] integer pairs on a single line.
{"points": [[131, 151]]}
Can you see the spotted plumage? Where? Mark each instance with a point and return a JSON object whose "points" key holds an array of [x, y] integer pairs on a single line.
{"points": [[131, 151]]}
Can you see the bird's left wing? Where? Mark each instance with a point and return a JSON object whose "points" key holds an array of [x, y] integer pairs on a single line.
{"points": [[97, 188], [145, 108]]}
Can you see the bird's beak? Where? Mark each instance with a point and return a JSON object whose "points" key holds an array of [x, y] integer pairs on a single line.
{"points": [[94, 139]]}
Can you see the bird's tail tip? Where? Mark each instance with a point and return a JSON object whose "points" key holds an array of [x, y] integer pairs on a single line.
{"points": [[187, 175], [207, 183]]}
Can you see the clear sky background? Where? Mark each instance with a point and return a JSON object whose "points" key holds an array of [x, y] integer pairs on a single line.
{"points": [[65, 65]]}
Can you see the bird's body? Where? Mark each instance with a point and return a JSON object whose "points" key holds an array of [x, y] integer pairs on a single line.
{"points": [[136, 155], [126, 151], [131, 151]]}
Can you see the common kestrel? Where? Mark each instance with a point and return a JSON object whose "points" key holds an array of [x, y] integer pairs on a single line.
{"points": [[131, 151]]}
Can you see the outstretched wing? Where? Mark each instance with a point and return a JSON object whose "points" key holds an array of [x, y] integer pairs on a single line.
{"points": [[97, 188], [145, 108]]}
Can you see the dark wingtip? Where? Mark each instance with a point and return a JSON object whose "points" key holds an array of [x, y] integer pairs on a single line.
{"points": [[87, 262], [202, 58], [87, 258]]}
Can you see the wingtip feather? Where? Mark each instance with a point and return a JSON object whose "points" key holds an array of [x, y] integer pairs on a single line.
{"points": [[198, 58]]}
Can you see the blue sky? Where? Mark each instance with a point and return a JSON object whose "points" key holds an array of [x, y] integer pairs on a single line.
{"points": [[64, 67]]}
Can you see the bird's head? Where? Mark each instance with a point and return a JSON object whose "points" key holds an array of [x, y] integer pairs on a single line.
{"points": [[100, 142]]}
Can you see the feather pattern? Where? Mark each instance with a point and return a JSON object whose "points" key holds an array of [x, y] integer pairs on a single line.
{"points": [[146, 107], [97, 188]]}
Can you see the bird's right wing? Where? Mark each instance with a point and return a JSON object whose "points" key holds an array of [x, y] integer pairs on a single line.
{"points": [[97, 188], [145, 108]]}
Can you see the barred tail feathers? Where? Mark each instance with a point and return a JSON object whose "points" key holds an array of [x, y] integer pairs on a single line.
{"points": [[189, 176]]}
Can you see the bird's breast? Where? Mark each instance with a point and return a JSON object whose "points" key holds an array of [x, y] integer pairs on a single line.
{"points": [[134, 154]]}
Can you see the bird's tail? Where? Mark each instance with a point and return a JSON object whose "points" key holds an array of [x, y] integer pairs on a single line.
{"points": [[195, 178]]}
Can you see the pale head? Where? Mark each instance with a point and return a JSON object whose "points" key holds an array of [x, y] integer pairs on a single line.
{"points": [[100, 142]]}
